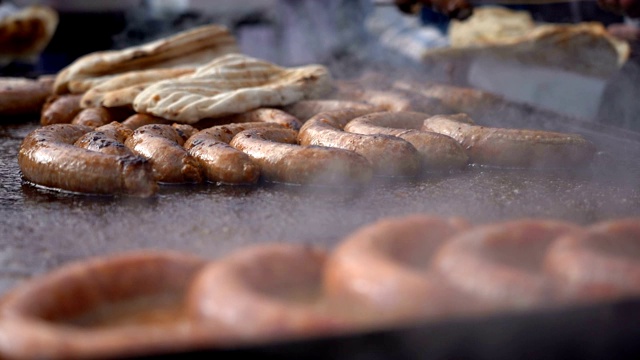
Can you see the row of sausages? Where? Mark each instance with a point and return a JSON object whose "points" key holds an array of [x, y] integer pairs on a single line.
{"points": [[336, 142], [392, 272]]}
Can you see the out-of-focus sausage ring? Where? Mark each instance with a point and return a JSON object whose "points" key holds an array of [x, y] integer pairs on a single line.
{"points": [[267, 292], [384, 268], [602, 262], [501, 264], [120, 305]]}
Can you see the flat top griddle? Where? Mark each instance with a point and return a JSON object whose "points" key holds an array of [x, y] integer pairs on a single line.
{"points": [[43, 229]]}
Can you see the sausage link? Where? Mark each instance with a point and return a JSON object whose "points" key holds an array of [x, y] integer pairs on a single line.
{"points": [[47, 157], [162, 146], [517, 148], [137, 120], [437, 151], [389, 155], [282, 160], [107, 139], [306, 109], [267, 115], [219, 161], [60, 109]]}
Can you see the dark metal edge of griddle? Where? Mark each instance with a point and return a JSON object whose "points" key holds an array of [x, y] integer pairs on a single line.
{"points": [[608, 330]]}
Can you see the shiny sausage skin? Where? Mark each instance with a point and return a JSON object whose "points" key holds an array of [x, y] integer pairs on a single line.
{"points": [[282, 160], [515, 148], [107, 139], [384, 267], [277, 286], [502, 264], [137, 120], [60, 109], [389, 155], [306, 109], [437, 151], [162, 146], [47, 157], [267, 115], [219, 161], [600, 263]]}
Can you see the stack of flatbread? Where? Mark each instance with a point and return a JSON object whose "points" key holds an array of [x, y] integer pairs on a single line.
{"points": [[509, 35], [187, 77]]}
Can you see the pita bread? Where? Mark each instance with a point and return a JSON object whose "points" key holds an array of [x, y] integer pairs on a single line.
{"points": [[120, 90], [186, 49], [26, 32], [232, 84], [583, 48]]}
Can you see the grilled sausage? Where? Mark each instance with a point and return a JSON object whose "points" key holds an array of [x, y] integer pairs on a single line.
{"points": [[162, 146], [277, 286], [99, 116], [219, 161], [107, 139], [437, 151], [389, 155], [515, 147], [501, 264], [282, 160], [306, 109], [109, 307], [47, 157], [600, 263], [137, 120], [60, 109], [267, 115], [384, 267]]}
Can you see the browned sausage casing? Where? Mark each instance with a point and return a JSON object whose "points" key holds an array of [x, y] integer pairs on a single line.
{"points": [[437, 151], [47, 157], [60, 109], [515, 147], [384, 267], [221, 162], [99, 116], [389, 155], [107, 139], [162, 146], [277, 286], [267, 115], [282, 160]]}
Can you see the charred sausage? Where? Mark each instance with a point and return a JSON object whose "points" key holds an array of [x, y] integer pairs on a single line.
{"points": [[282, 160], [306, 109], [60, 109], [47, 157], [437, 151], [137, 120], [389, 155], [107, 139]]}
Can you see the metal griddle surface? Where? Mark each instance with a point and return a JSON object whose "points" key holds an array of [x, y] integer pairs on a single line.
{"points": [[42, 229]]}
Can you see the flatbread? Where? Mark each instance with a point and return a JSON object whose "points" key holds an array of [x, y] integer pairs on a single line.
{"points": [[185, 49], [232, 84], [120, 90], [505, 35]]}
